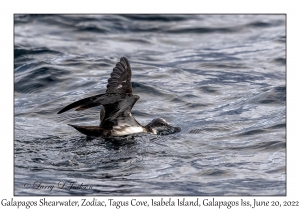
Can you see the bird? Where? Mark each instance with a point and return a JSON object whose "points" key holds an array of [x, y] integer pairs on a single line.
{"points": [[116, 104]]}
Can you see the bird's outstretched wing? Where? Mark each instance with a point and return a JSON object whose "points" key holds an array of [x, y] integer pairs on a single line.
{"points": [[120, 78], [116, 107], [107, 100], [118, 100], [84, 103]]}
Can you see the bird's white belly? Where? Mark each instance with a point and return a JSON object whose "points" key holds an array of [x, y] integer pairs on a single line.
{"points": [[121, 131]]}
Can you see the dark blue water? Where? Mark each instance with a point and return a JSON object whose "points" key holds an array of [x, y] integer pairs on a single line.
{"points": [[221, 78]]}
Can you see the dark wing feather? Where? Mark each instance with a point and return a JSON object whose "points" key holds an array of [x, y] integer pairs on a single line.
{"points": [[120, 78], [102, 99], [82, 104], [102, 113], [120, 109], [116, 107]]}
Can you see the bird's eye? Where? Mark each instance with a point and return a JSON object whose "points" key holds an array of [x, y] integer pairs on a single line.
{"points": [[161, 124]]}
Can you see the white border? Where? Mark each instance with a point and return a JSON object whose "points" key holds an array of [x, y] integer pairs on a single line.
{"points": [[8, 8]]}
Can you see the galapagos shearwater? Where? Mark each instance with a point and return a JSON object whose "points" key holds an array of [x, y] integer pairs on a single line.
{"points": [[117, 102]]}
